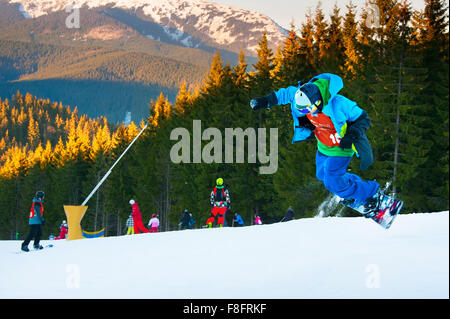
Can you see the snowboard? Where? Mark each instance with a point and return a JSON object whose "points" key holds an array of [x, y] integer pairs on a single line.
{"points": [[388, 209], [32, 249]]}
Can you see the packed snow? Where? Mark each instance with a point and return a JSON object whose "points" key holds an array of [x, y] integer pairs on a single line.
{"points": [[333, 257]]}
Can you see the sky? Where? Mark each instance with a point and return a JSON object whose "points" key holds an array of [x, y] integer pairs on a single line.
{"points": [[285, 11]]}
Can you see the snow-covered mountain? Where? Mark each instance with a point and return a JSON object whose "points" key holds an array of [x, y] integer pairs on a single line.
{"points": [[332, 257], [191, 23]]}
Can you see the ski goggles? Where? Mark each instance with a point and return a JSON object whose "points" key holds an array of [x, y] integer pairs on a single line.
{"points": [[311, 108]]}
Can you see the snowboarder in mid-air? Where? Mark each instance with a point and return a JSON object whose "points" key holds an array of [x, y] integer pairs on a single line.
{"points": [[339, 125]]}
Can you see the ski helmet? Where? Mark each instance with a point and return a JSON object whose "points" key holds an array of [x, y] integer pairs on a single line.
{"points": [[132, 201], [40, 195], [219, 181], [308, 98], [154, 215]]}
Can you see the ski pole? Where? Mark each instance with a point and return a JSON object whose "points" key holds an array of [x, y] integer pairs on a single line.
{"points": [[109, 172]]}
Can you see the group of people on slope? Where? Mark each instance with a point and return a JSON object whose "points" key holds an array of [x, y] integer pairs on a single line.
{"points": [[220, 201], [239, 222], [134, 222]]}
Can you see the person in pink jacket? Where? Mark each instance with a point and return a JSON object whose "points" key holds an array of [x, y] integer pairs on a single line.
{"points": [[153, 224], [137, 218], [257, 220]]}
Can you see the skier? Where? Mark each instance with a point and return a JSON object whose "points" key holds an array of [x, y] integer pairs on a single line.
{"points": [[238, 221], [257, 220], [185, 217], [35, 220], [153, 224], [130, 225], [289, 215], [339, 126], [137, 218], [63, 228], [220, 201]]}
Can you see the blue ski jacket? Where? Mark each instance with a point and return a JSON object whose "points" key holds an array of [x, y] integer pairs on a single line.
{"points": [[339, 108], [239, 220], [36, 212]]}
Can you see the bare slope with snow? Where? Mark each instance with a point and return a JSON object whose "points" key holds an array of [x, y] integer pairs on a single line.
{"points": [[308, 258]]}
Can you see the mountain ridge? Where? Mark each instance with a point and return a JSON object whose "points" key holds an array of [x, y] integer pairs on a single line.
{"points": [[192, 23]]}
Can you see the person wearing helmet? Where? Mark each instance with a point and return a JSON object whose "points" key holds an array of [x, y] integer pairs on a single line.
{"points": [[220, 202], [153, 224], [35, 220], [137, 218], [338, 125], [63, 230]]}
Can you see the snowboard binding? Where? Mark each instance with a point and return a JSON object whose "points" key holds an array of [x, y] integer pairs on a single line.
{"points": [[381, 208]]}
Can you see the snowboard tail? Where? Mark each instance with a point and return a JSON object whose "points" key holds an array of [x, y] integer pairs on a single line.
{"points": [[387, 209]]}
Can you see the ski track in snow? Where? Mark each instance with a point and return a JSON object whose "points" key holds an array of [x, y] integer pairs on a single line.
{"points": [[308, 258]]}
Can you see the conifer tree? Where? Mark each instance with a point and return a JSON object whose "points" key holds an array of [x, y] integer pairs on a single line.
{"points": [[350, 35]]}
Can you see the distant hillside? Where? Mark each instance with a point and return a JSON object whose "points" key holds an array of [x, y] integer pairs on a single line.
{"points": [[26, 121], [117, 61], [99, 81]]}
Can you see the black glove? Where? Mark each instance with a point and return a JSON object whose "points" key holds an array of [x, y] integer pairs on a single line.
{"points": [[347, 141], [43, 222], [356, 134], [264, 102]]}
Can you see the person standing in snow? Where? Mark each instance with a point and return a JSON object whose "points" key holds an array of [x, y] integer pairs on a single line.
{"points": [[185, 217], [220, 202], [339, 126], [153, 224], [63, 230], [289, 215], [191, 221], [257, 220], [238, 221], [130, 225], [137, 218], [35, 220]]}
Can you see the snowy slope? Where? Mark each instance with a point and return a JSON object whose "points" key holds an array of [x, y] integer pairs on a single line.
{"points": [[308, 258]]}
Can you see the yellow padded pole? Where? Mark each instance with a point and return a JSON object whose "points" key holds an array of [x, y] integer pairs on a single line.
{"points": [[74, 215]]}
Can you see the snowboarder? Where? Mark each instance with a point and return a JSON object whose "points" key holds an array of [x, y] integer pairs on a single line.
{"points": [[130, 225], [238, 221], [35, 220], [257, 220], [153, 224], [289, 215], [185, 218], [63, 230], [339, 126], [137, 218], [220, 202]]}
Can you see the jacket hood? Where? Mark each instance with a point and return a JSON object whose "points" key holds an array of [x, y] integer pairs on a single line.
{"points": [[336, 83]]}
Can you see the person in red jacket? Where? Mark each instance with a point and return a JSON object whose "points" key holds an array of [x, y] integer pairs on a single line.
{"points": [[137, 218], [63, 230], [220, 202]]}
